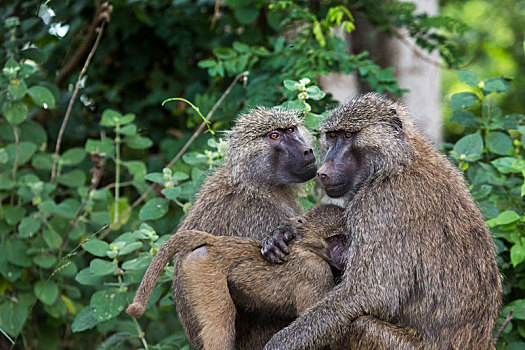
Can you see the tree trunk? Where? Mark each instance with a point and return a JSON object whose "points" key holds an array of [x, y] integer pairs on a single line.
{"points": [[412, 71]]}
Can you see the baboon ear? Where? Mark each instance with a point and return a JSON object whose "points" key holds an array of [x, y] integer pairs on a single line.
{"points": [[397, 123]]}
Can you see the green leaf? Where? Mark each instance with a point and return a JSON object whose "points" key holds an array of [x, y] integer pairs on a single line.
{"points": [[519, 309], [73, 156], [318, 33], [28, 226], [99, 267], [468, 147], [129, 248], [246, 15], [74, 178], [504, 218], [468, 77], [42, 161], [499, 143], [240, 47], [465, 118], [517, 254], [138, 142], [42, 97], [13, 215], [463, 100], [45, 261], [180, 176], [96, 247], [17, 253], [4, 156], [136, 264], [209, 63], [85, 277], [290, 84], [130, 130], [46, 292], [505, 165], [123, 206], [137, 169], [126, 119], [154, 209], [96, 146], [27, 149], [107, 304], [52, 239], [15, 112], [110, 117], [12, 316], [315, 93], [172, 193], [84, 320], [224, 53], [17, 90], [155, 177], [495, 85]]}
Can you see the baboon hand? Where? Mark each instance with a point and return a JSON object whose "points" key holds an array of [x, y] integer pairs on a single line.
{"points": [[274, 247]]}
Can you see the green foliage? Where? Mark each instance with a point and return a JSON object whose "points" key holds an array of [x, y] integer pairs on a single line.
{"points": [[74, 246], [492, 155]]}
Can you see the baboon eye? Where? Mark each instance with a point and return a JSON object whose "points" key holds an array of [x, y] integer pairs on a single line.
{"points": [[290, 130], [332, 134], [274, 135], [348, 134]]}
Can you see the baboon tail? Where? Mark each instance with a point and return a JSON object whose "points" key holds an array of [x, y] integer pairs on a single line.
{"points": [[182, 240]]}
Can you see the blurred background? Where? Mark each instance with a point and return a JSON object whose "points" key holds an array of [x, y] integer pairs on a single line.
{"points": [[144, 52]]}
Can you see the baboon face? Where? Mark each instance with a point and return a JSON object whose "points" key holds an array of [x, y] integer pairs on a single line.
{"points": [[344, 168], [364, 138], [292, 160]]}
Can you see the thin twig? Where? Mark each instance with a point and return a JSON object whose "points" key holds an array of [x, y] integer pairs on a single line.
{"points": [[96, 172], [201, 127], [89, 33], [17, 157], [73, 97], [504, 325], [417, 51]]}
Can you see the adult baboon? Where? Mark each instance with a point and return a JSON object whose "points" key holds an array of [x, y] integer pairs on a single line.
{"points": [[253, 190], [419, 258], [286, 290]]}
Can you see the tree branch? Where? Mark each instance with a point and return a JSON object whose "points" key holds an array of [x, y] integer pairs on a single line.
{"points": [[104, 19], [241, 76]]}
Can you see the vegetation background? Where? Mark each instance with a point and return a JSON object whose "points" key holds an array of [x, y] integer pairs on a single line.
{"points": [[95, 171]]}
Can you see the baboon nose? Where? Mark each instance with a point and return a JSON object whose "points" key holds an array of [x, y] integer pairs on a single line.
{"points": [[309, 155], [322, 175]]}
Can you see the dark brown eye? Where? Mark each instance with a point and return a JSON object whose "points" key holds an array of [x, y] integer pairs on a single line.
{"points": [[274, 135], [290, 130], [332, 134], [348, 134]]}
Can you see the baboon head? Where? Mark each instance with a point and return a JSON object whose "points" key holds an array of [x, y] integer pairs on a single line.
{"points": [[323, 230], [365, 137], [270, 146]]}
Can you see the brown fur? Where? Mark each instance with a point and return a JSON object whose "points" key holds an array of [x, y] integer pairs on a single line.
{"points": [[218, 264], [242, 198], [420, 257]]}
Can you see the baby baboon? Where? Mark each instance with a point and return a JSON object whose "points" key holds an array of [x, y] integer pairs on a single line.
{"points": [[254, 189], [420, 258], [218, 264]]}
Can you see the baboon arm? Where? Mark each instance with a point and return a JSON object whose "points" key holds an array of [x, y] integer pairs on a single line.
{"points": [[360, 293], [318, 325]]}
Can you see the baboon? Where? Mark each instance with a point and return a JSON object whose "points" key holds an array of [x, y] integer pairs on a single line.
{"points": [[286, 290], [419, 259], [256, 187]]}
